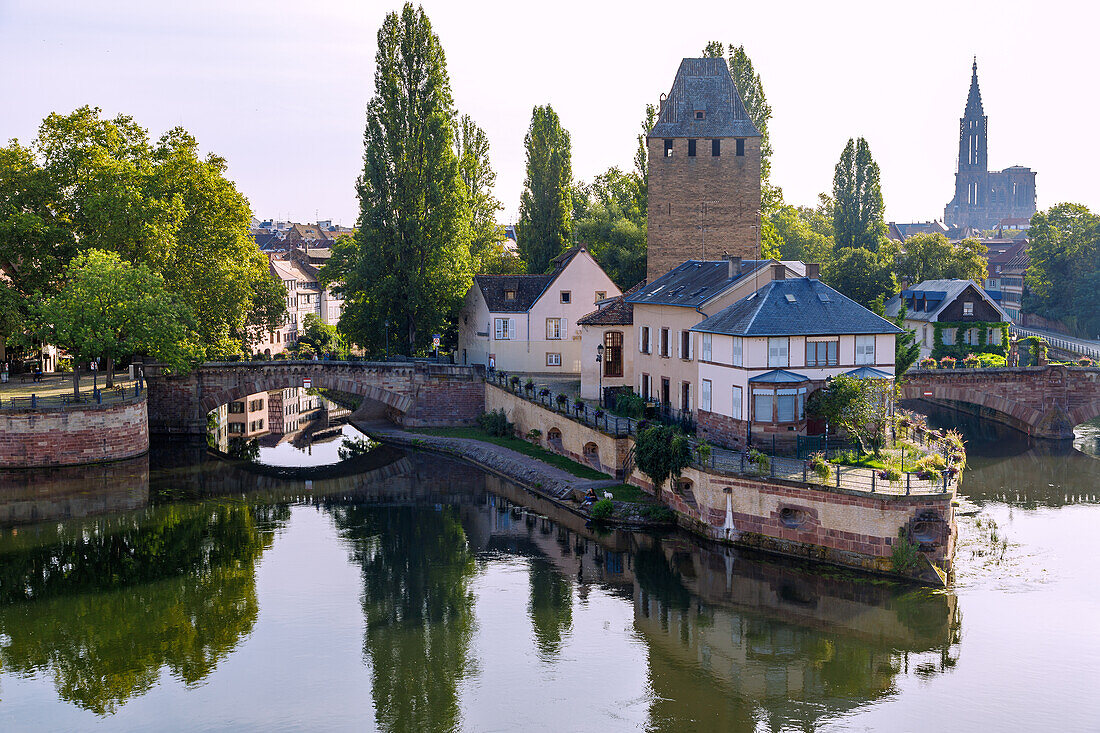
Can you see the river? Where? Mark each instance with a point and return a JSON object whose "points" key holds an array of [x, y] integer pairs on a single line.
{"points": [[409, 592]]}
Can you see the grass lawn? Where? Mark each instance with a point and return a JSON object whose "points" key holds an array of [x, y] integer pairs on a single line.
{"points": [[626, 492], [870, 461], [519, 446]]}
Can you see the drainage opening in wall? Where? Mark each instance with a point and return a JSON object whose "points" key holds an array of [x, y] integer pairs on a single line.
{"points": [[926, 532], [791, 517]]}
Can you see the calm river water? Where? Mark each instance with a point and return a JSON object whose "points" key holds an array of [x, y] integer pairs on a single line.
{"points": [[407, 592]]}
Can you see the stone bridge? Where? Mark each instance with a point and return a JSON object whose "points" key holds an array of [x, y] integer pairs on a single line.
{"points": [[412, 394], [1044, 402]]}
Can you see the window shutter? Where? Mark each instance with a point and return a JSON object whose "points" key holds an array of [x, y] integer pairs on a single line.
{"points": [[641, 336], [649, 342], [512, 328], [691, 345], [680, 344]]}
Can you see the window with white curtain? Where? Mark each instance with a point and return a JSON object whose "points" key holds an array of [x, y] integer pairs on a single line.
{"points": [[778, 357], [706, 347], [736, 360], [865, 349], [704, 395], [735, 411]]}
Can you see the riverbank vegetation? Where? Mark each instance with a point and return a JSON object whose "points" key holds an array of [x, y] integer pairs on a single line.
{"points": [[519, 446]]}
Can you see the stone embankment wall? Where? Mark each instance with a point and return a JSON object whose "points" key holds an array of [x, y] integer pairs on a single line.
{"points": [[67, 492], [820, 523], [73, 434]]}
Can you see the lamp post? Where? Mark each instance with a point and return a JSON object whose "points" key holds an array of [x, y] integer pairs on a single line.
{"points": [[599, 361]]}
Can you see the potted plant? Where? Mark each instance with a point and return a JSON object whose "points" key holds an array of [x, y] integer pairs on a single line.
{"points": [[820, 466], [598, 414], [515, 382], [971, 362], [760, 460], [890, 474], [704, 452], [1084, 361], [947, 362], [529, 386], [578, 406], [928, 363], [562, 401]]}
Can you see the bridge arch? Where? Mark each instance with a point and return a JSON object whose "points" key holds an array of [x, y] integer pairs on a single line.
{"points": [[1021, 414], [294, 378]]}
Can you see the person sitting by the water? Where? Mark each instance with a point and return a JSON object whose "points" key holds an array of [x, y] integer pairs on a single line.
{"points": [[590, 497]]}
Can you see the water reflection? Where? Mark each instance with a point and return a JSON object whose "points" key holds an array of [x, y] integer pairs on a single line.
{"points": [[732, 641], [103, 605]]}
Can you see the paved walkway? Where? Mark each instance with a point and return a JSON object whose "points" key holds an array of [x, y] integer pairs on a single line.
{"points": [[549, 480]]}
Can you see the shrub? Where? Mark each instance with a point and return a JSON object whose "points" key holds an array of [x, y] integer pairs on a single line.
{"points": [[971, 362], [890, 474], [661, 452], [629, 404], [991, 360], [904, 553], [495, 423], [704, 452], [544, 392], [534, 435], [562, 400], [760, 460], [529, 386], [657, 513], [1084, 361], [820, 466], [601, 510], [515, 382], [928, 363]]}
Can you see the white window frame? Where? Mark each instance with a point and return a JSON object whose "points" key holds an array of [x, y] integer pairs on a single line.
{"points": [[553, 359], [968, 308], [708, 348], [704, 395], [554, 328], [504, 329], [736, 411], [737, 357], [779, 352], [865, 355]]}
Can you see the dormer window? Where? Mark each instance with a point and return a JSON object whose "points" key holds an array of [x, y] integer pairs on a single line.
{"points": [[509, 294], [700, 114]]}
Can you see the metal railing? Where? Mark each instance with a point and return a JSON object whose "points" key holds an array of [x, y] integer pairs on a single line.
{"points": [[69, 399], [1065, 343], [588, 412]]}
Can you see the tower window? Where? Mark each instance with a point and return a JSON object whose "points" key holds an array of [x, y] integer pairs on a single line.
{"points": [[668, 148], [691, 148], [740, 146], [700, 114], [715, 148]]}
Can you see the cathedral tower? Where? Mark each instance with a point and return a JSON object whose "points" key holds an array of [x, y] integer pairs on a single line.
{"points": [[704, 171]]}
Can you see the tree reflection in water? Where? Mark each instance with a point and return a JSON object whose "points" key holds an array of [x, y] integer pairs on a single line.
{"points": [[104, 605], [418, 606], [550, 607]]}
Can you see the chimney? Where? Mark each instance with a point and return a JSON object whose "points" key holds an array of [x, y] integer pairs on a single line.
{"points": [[734, 267], [813, 270], [779, 271]]}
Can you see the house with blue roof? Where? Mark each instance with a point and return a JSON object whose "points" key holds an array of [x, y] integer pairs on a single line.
{"points": [[951, 317], [760, 358], [665, 311]]}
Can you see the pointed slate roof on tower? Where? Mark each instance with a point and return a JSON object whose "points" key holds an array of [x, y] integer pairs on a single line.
{"points": [[703, 85], [974, 99]]}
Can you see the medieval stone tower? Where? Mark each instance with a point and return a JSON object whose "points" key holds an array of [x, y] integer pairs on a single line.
{"points": [[704, 171], [984, 198]]}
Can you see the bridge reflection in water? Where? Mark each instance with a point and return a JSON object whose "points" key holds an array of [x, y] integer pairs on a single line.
{"points": [[732, 640]]}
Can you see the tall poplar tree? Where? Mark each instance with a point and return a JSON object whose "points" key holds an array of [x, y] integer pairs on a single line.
{"points": [[751, 91], [409, 262], [478, 177], [857, 198], [546, 205]]}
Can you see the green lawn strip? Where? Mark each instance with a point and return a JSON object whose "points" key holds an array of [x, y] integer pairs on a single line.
{"points": [[628, 493], [870, 461], [519, 446]]}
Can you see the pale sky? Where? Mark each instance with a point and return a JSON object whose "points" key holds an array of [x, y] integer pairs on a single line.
{"points": [[279, 87]]}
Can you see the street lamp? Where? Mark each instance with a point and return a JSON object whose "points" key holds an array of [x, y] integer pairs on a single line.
{"points": [[599, 360]]}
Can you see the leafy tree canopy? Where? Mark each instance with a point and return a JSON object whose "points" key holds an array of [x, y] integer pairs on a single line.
{"points": [[661, 452], [857, 199], [1063, 276], [863, 275], [610, 217], [545, 207], [933, 257]]}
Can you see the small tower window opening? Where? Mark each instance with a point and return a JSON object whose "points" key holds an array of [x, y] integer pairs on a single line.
{"points": [[715, 148], [691, 148], [668, 148], [740, 147], [700, 114]]}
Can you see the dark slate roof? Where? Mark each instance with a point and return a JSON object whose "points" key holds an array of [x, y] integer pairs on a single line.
{"points": [[528, 289], [795, 307], [779, 376], [615, 311], [866, 372], [267, 241], [693, 283], [940, 293], [703, 84]]}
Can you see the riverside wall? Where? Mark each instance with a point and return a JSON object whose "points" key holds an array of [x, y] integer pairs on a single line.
{"points": [[71, 435], [848, 528]]}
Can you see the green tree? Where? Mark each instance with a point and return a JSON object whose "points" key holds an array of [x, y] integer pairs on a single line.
{"points": [[93, 183], [847, 403], [796, 235], [906, 346], [109, 308], [661, 452], [478, 178], [1064, 250], [933, 257], [545, 206], [751, 90], [409, 264], [609, 216], [323, 338], [857, 199], [863, 275], [641, 156]]}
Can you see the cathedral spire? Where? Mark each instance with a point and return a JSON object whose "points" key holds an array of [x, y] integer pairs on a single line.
{"points": [[974, 99]]}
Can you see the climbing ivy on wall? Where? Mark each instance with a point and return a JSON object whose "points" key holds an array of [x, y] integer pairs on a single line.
{"points": [[959, 351]]}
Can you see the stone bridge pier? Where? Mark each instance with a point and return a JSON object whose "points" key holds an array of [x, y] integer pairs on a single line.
{"points": [[411, 394], [1044, 402]]}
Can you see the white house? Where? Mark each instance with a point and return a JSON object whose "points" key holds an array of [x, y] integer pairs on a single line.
{"points": [[961, 310], [528, 323], [760, 358]]}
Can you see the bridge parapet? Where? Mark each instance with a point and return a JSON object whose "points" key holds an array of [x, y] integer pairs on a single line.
{"points": [[413, 394], [1044, 402]]}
